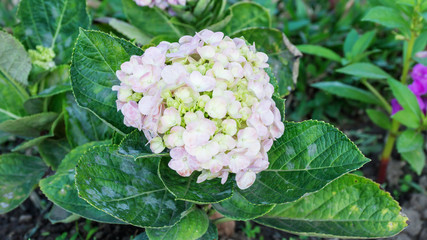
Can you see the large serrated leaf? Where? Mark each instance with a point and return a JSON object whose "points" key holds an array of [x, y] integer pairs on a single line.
{"points": [[238, 208], [127, 189], [14, 65], [14, 60], [187, 188], [60, 188], [82, 126], [350, 207], [53, 24], [191, 227], [283, 56], [19, 174], [136, 145], [97, 56], [305, 159]]}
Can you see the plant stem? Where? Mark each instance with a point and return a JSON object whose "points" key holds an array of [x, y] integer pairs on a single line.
{"points": [[222, 220], [371, 88], [407, 60], [392, 134], [388, 149]]}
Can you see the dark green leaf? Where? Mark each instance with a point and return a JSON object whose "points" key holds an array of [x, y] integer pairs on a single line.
{"points": [[15, 63], [59, 215], [61, 190], [211, 233], [305, 159], [127, 189], [19, 174], [30, 126], [53, 24], [191, 227], [187, 188], [82, 126], [362, 44], [53, 151], [238, 208], [136, 145], [350, 207], [97, 57]]}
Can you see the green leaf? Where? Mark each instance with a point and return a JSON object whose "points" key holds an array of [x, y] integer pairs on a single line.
{"points": [[407, 118], [19, 174], [211, 233], [347, 91], [238, 208], [349, 42], [97, 57], [145, 18], [405, 97], [416, 159], [319, 51], [82, 126], [350, 207], [37, 140], [364, 70], [187, 188], [30, 126], [191, 227], [362, 43], [61, 190], [15, 63], [283, 56], [53, 24], [59, 215], [247, 15], [129, 31], [53, 151], [305, 159], [127, 189], [13, 66], [379, 118], [136, 145], [409, 140], [387, 17]]}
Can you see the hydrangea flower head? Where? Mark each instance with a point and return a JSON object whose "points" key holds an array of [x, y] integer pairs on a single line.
{"points": [[208, 99], [162, 4]]}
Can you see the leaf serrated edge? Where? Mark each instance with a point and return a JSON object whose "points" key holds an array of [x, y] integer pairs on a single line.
{"points": [[78, 191], [188, 200], [341, 133], [347, 237], [82, 30]]}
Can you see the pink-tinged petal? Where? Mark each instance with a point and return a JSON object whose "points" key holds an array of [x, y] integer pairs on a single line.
{"points": [[245, 179], [200, 83], [238, 160], [174, 74]]}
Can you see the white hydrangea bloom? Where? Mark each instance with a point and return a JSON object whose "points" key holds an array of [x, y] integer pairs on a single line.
{"points": [[208, 99]]}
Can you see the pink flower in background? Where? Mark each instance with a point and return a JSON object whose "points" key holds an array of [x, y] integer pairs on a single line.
{"points": [[206, 98], [418, 87]]}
